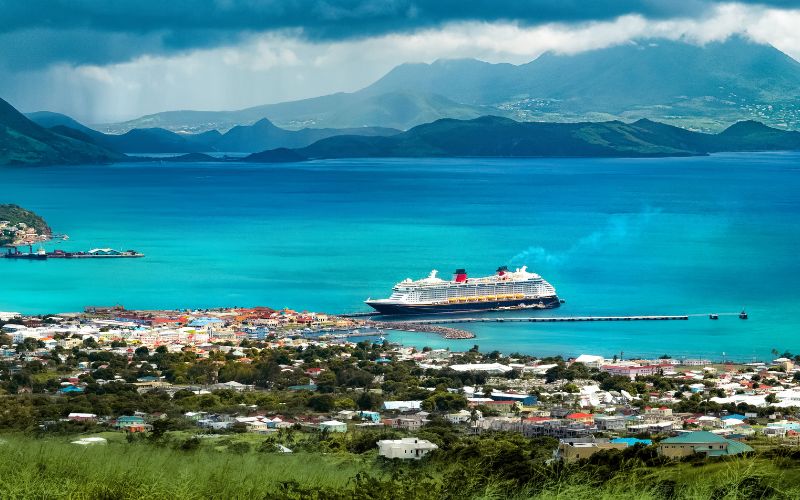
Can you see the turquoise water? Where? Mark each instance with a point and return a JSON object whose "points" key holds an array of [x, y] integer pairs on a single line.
{"points": [[653, 236]]}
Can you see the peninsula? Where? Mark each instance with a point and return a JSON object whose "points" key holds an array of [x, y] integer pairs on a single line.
{"points": [[19, 226]]}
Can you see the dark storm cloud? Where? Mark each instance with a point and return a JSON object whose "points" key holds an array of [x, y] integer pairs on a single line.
{"points": [[38, 33]]}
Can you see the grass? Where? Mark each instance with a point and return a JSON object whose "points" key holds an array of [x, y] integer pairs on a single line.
{"points": [[55, 468]]}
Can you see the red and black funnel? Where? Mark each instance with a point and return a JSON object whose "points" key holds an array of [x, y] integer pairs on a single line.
{"points": [[502, 270], [460, 276]]}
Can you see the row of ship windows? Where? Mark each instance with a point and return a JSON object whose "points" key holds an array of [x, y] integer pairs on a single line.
{"points": [[473, 292]]}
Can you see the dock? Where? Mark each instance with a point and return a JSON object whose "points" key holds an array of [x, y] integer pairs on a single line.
{"points": [[540, 319]]}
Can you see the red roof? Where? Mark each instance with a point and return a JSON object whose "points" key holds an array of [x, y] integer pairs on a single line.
{"points": [[538, 419], [580, 415]]}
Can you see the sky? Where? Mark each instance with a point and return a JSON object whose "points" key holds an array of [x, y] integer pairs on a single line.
{"points": [[112, 60]]}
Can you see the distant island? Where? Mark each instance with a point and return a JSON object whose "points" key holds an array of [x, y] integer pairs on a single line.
{"points": [[23, 142], [19, 226]]}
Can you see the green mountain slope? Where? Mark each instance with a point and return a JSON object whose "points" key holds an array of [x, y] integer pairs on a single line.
{"points": [[398, 109], [24, 142], [265, 135], [699, 87], [501, 137], [719, 82]]}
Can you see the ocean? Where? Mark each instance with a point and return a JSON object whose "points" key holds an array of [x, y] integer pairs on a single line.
{"points": [[614, 236]]}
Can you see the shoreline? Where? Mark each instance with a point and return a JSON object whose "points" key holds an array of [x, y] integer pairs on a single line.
{"points": [[158, 319]]}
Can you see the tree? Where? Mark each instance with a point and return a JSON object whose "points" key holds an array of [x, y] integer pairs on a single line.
{"points": [[445, 402], [771, 398], [321, 402], [326, 381]]}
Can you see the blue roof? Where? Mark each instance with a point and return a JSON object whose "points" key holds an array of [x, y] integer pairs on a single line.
{"points": [[129, 418], [204, 321], [71, 388], [632, 441], [733, 416]]}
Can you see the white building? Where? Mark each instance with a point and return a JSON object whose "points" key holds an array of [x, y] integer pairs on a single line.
{"points": [[495, 368], [406, 448], [333, 426], [590, 360]]}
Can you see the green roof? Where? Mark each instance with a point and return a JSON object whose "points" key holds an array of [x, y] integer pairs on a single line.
{"points": [[735, 447], [708, 438], [697, 437]]}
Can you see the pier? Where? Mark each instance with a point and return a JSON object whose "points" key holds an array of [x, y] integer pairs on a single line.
{"points": [[539, 319], [411, 323]]}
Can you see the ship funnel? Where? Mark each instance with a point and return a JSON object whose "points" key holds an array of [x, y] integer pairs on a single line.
{"points": [[460, 276], [502, 270]]}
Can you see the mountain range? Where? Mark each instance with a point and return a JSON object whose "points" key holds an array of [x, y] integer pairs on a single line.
{"points": [[259, 136], [699, 87], [24, 142], [492, 136]]}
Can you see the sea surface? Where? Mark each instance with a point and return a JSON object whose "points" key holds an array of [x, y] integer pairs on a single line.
{"points": [[615, 237]]}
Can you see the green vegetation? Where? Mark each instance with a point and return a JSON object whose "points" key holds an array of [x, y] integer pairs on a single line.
{"points": [[23, 142], [14, 214], [495, 136], [489, 466]]}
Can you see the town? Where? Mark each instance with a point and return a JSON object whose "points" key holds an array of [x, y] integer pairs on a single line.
{"points": [[281, 374]]}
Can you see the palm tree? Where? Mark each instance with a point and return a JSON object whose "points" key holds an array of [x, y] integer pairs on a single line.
{"points": [[473, 418]]}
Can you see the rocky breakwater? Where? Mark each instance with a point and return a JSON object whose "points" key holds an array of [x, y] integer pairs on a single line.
{"points": [[409, 326]]}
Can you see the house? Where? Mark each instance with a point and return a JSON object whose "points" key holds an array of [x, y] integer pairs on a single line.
{"points": [[70, 389], [490, 368], [460, 417], [525, 399], [610, 422], [632, 441], [371, 416], [572, 449], [411, 422], [503, 408], [590, 360], [333, 426], [314, 372], [402, 406], [707, 443], [405, 448], [130, 423], [82, 417], [584, 418]]}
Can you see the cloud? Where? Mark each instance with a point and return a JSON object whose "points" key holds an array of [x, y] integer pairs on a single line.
{"points": [[262, 68], [36, 34]]}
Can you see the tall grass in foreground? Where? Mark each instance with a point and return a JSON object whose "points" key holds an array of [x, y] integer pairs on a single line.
{"points": [[55, 469], [52, 468]]}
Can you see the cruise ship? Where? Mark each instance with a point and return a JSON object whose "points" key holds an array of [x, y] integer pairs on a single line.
{"points": [[433, 295]]}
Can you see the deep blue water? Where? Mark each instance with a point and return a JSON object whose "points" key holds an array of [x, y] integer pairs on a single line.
{"points": [[653, 236]]}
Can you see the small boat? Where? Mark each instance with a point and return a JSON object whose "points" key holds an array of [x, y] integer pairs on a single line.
{"points": [[713, 316], [743, 314]]}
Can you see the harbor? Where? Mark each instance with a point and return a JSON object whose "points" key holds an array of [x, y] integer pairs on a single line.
{"points": [[95, 253]]}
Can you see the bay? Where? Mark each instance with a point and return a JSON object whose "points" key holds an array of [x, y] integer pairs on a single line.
{"points": [[614, 236]]}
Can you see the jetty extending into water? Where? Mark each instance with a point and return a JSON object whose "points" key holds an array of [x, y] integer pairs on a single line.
{"points": [[411, 326], [540, 319], [411, 323]]}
